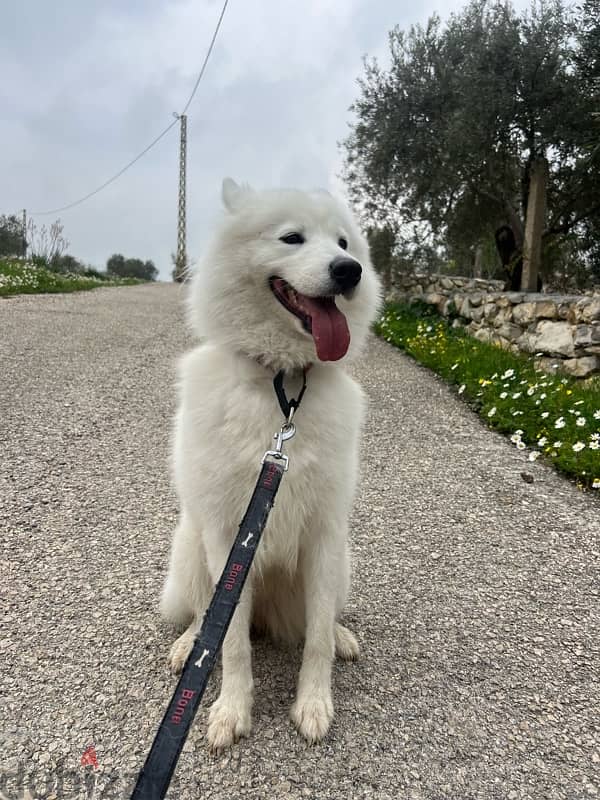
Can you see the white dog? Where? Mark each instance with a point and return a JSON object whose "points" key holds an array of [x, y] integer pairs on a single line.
{"points": [[286, 283]]}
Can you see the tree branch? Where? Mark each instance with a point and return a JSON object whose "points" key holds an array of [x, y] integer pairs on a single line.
{"points": [[567, 226]]}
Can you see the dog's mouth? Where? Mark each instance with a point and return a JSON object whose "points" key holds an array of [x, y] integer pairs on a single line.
{"points": [[319, 316]]}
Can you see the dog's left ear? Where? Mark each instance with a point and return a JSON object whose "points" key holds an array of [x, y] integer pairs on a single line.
{"points": [[234, 196]]}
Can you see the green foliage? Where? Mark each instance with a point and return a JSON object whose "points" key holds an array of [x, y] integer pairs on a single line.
{"points": [[382, 241], [25, 277], [551, 415], [446, 137], [11, 236], [588, 55], [92, 272], [66, 264], [131, 268]]}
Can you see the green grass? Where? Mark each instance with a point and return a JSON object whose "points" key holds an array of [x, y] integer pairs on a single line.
{"points": [[550, 415], [22, 277]]}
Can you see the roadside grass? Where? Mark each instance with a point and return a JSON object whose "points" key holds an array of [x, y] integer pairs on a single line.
{"points": [[550, 415], [23, 277]]}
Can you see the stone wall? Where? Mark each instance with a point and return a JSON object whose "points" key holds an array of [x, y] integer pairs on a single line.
{"points": [[563, 331]]}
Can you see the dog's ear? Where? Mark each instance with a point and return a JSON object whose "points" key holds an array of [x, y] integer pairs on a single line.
{"points": [[234, 196]]}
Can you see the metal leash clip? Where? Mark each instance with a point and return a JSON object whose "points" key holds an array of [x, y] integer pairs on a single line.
{"points": [[287, 430]]}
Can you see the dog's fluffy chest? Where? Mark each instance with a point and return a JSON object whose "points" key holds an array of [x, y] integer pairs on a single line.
{"points": [[227, 418]]}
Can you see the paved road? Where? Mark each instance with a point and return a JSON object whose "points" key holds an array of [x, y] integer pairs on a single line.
{"points": [[476, 595]]}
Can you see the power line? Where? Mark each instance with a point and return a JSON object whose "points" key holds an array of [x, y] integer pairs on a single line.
{"points": [[208, 52], [110, 180], [154, 141]]}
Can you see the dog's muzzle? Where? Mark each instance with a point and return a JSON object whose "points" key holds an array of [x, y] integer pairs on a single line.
{"points": [[345, 273]]}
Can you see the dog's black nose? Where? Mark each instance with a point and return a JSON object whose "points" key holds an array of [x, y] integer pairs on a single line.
{"points": [[345, 272]]}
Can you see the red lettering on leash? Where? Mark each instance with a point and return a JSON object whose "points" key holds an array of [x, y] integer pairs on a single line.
{"points": [[232, 576], [186, 696], [268, 479]]}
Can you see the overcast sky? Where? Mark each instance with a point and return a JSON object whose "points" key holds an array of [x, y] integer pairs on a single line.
{"points": [[86, 85]]}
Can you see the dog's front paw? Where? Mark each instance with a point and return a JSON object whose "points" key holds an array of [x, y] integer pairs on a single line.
{"points": [[229, 720], [312, 716], [180, 651]]}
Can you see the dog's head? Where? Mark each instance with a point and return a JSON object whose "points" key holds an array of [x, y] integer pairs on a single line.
{"points": [[287, 279]]}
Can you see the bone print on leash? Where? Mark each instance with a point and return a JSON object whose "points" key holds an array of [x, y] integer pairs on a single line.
{"points": [[155, 776]]}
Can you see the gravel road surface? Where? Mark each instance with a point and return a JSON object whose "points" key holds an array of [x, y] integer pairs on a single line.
{"points": [[476, 594]]}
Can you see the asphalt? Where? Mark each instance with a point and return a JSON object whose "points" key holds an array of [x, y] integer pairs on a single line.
{"points": [[475, 599]]}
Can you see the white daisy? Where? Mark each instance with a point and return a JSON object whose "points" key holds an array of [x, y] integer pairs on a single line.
{"points": [[578, 446]]}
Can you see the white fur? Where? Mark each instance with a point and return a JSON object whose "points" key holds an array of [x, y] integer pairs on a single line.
{"points": [[226, 419]]}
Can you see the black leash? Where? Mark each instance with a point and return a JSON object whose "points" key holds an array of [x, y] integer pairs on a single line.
{"points": [[155, 776], [286, 405]]}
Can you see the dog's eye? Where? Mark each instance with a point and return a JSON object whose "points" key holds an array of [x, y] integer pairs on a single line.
{"points": [[292, 238], [343, 243]]}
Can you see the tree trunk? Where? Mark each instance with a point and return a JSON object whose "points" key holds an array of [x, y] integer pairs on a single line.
{"points": [[534, 225]]}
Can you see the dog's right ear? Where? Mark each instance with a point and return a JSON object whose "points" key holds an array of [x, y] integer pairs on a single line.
{"points": [[234, 196]]}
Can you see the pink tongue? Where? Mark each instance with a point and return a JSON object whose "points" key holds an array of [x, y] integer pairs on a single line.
{"points": [[329, 327]]}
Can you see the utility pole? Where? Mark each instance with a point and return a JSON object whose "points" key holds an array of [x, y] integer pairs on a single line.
{"points": [[181, 257]]}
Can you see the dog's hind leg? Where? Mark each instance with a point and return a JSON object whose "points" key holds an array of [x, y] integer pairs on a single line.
{"points": [[346, 646], [182, 647], [187, 588]]}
